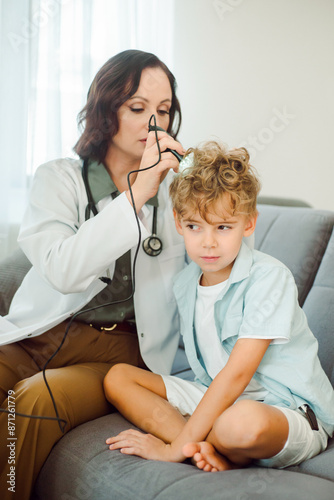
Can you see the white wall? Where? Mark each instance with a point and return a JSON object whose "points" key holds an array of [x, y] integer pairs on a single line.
{"points": [[261, 73]]}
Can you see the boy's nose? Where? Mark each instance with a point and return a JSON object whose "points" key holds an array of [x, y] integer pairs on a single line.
{"points": [[209, 241]]}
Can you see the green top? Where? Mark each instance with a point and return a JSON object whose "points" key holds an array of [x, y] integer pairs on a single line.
{"points": [[102, 185]]}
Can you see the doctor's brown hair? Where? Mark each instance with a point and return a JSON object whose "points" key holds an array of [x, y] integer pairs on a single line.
{"points": [[115, 83], [215, 171]]}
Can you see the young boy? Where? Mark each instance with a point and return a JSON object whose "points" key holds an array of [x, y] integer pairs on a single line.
{"points": [[260, 394]]}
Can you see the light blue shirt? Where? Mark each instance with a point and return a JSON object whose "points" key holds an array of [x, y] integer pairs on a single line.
{"points": [[260, 301]]}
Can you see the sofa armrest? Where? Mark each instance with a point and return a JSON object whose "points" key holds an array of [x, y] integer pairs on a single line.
{"points": [[12, 271]]}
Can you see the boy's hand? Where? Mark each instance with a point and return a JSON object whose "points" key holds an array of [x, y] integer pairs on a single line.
{"points": [[132, 442]]}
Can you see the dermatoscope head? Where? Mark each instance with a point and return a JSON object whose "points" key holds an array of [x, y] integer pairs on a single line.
{"points": [[186, 162]]}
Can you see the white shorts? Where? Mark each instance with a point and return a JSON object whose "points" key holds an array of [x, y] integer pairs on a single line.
{"points": [[183, 394], [302, 443]]}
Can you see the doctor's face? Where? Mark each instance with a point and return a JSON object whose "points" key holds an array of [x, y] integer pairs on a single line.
{"points": [[153, 96]]}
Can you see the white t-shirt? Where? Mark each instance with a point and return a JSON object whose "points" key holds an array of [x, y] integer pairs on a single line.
{"points": [[208, 341]]}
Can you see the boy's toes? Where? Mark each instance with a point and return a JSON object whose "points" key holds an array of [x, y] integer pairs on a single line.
{"points": [[201, 464], [207, 468], [190, 449]]}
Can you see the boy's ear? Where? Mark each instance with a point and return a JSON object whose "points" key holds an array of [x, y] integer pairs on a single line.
{"points": [[250, 225], [177, 223]]}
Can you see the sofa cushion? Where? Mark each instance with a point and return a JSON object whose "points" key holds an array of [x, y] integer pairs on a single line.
{"points": [[82, 466], [297, 237], [322, 465]]}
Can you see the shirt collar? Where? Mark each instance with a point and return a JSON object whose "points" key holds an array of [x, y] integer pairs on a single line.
{"points": [[102, 185], [242, 265]]}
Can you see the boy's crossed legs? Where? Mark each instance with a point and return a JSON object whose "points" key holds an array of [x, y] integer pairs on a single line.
{"points": [[246, 431]]}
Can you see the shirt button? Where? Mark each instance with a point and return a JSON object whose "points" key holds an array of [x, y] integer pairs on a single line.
{"points": [[126, 277], [142, 335]]}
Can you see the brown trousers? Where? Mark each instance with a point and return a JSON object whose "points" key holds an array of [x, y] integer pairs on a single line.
{"points": [[75, 376]]}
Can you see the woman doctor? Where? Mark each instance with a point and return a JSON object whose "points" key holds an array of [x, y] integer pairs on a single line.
{"points": [[80, 233]]}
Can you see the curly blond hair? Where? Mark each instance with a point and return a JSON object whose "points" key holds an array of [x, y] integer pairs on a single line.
{"points": [[215, 171]]}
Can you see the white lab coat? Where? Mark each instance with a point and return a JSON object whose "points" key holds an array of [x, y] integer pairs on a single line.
{"points": [[69, 255]]}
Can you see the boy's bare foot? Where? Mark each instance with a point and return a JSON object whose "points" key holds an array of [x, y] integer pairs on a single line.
{"points": [[205, 457]]}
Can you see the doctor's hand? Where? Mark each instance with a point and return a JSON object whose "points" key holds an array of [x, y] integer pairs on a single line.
{"points": [[147, 182]]}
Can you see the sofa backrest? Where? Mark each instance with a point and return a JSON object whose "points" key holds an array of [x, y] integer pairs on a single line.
{"points": [[319, 309], [303, 239], [296, 236], [12, 271]]}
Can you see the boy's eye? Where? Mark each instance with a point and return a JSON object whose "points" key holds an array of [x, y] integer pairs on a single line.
{"points": [[224, 228], [193, 227]]}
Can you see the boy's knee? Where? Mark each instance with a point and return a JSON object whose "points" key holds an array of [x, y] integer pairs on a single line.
{"points": [[115, 380], [255, 423], [240, 426]]}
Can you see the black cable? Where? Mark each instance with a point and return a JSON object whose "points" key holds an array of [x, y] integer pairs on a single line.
{"points": [[61, 422], [133, 201]]}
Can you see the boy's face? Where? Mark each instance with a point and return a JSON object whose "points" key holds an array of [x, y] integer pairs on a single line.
{"points": [[214, 245]]}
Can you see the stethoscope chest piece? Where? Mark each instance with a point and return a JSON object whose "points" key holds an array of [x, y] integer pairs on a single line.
{"points": [[152, 245]]}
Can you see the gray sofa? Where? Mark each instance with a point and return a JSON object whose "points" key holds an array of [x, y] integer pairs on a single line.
{"points": [[81, 467]]}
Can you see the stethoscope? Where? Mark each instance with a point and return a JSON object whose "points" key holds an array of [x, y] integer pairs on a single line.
{"points": [[152, 245]]}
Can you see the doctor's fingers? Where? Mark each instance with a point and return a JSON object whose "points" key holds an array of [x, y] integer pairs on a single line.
{"points": [[154, 176], [152, 137], [170, 143], [168, 161], [159, 164], [165, 141]]}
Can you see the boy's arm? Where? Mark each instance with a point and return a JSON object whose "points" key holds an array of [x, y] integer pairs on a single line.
{"points": [[227, 386]]}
